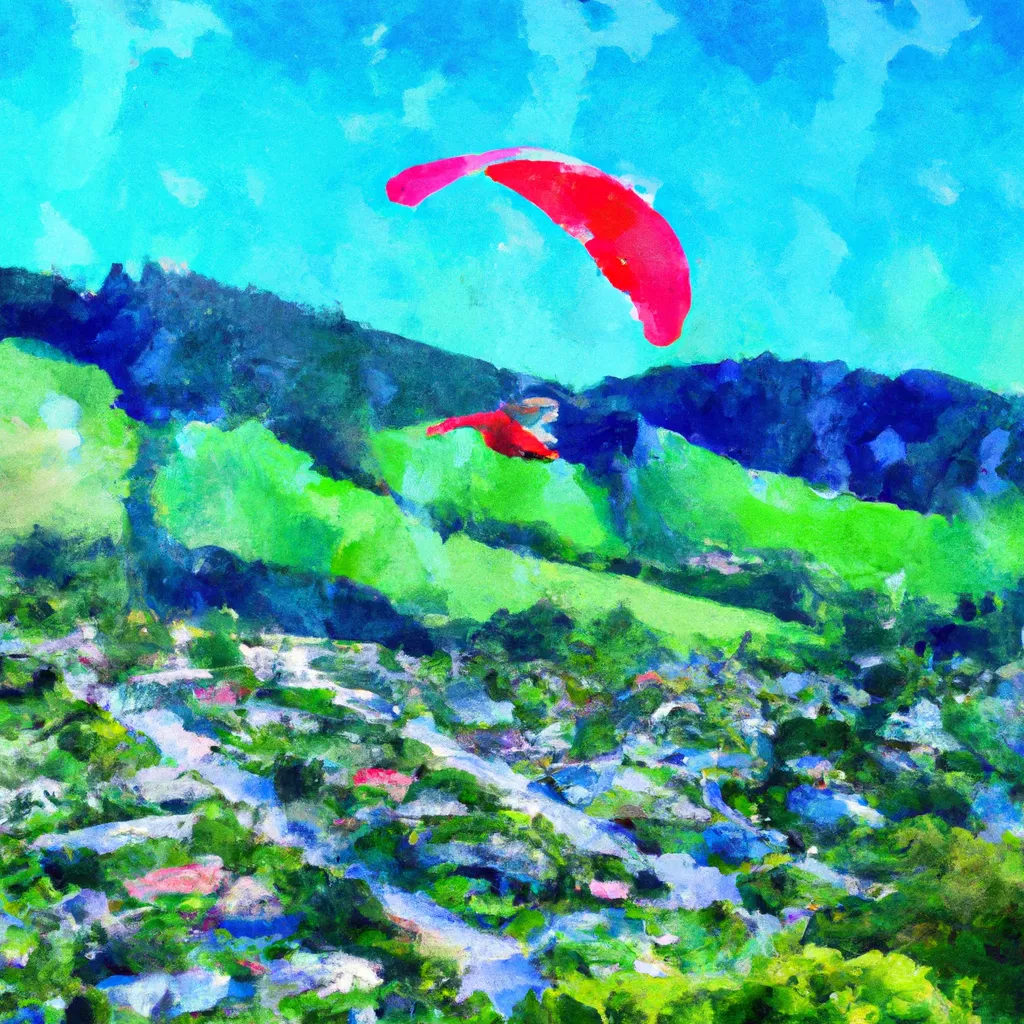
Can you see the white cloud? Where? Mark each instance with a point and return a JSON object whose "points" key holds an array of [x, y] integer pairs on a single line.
{"points": [[169, 266], [255, 186], [519, 230], [363, 127], [416, 102], [61, 245], [110, 45], [1012, 187], [566, 47], [182, 26], [643, 185], [914, 278], [809, 307], [637, 23], [187, 191], [379, 52], [861, 35], [942, 187]]}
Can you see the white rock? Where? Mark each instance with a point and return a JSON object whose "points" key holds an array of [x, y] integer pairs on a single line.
{"points": [[652, 970], [113, 835]]}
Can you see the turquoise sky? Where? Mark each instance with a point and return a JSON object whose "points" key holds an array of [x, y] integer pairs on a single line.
{"points": [[846, 176]]}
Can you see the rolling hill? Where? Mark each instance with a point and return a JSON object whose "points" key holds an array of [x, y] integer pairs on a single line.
{"points": [[284, 445], [680, 726]]}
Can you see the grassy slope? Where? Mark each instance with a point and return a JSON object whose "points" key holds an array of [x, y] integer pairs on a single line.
{"points": [[688, 498], [457, 476], [64, 452], [247, 492]]}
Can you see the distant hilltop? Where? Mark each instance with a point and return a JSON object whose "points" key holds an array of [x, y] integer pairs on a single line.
{"points": [[181, 345]]}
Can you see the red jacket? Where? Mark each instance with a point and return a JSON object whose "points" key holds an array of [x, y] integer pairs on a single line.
{"points": [[501, 434]]}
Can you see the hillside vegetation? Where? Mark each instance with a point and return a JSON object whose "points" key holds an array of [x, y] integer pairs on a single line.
{"points": [[306, 716], [446, 529]]}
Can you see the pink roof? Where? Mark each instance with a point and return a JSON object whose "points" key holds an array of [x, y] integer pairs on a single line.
{"points": [[609, 890], [188, 880], [385, 777], [219, 694]]}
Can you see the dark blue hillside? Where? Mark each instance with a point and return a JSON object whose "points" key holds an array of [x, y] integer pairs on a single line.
{"points": [[186, 347]]}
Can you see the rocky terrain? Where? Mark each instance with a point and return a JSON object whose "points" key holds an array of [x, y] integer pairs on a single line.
{"points": [[240, 825]]}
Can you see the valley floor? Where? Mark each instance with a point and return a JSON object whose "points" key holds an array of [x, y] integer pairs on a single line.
{"points": [[260, 827]]}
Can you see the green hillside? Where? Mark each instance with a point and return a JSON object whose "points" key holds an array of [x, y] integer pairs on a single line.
{"points": [[685, 501], [459, 479], [247, 492], [64, 451], [458, 532]]}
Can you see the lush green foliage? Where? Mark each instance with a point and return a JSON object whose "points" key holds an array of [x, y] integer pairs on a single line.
{"points": [[64, 452]]}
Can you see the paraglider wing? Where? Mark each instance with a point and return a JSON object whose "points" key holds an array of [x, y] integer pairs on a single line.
{"points": [[415, 184], [633, 245]]}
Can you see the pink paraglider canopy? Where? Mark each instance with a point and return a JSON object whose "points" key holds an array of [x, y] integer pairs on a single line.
{"points": [[631, 243]]}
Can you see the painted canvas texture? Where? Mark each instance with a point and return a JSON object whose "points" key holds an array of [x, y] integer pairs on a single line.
{"points": [[511, 512]]}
